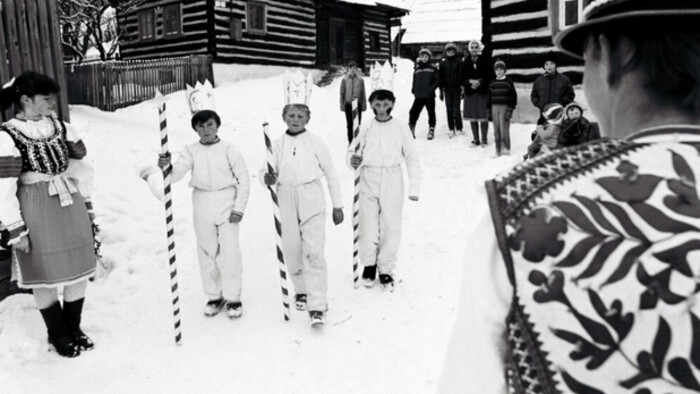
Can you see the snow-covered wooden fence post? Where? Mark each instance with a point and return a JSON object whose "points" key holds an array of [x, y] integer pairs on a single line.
{"points": [[170, 228], [278, 225], [356, 204]]}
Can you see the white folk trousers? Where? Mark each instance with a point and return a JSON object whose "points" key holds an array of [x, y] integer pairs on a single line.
{"points": [[218, 248], [381, 207], [303, 217]]}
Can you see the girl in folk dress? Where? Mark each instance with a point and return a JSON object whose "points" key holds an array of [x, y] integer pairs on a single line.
{"points": [[45, 184]]}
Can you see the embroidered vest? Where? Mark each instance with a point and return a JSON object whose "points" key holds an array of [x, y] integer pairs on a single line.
{"points": [[602, 248], [48, 155]]}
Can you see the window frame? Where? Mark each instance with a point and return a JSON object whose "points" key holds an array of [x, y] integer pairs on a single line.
{"points": [[172, 34], [375, 41], [249, 6], [141, 19]]}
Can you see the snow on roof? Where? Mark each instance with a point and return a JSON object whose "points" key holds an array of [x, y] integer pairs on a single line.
{"points": [[442, 21]]}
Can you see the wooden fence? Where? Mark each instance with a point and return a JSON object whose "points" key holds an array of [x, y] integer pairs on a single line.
{"points": [[117, 84], [30, 40]]}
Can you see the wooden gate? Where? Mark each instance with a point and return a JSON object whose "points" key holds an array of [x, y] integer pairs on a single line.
{"points": [[30, 40]]}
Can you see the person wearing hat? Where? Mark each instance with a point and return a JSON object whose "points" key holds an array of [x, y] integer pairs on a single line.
{"points": [[477, 72], [551, 87], [576, 129], [501, 102], [352, 87], [451, 87], [425, 81], [583, 279]]}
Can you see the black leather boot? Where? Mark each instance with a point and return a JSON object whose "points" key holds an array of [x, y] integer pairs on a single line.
{"points": [[72, 311], [59, 338]]}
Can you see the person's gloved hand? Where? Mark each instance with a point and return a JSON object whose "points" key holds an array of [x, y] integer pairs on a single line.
{"points": [[509, 113], [338, 216], [163, 160], [235, 217], [355, 161], [270, 179]]}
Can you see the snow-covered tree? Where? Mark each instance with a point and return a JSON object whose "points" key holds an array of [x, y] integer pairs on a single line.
{"points": [[89, 24]]}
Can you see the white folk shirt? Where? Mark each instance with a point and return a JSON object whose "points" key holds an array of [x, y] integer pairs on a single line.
{"points": [[388, 144], [304, 158], [215, 167]]}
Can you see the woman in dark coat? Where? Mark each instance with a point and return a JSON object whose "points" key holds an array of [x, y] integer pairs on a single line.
{"points": [[477, 74]]}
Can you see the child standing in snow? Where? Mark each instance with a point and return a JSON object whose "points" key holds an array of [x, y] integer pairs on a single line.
{"points": [[300, 160], [382, 146], [501, 102], [45, 185], [425, 81], [220, 184], [352, 87]]}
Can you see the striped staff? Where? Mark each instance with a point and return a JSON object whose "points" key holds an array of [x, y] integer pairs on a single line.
{"points": [[356, 204], [160, 101], [278, 224]]}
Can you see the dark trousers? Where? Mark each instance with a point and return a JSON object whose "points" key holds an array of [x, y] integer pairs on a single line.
{"points": [[348, 121], [418, 104], [453, 99], [484, 130]]}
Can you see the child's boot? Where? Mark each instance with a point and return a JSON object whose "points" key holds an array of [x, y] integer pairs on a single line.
{"points": [[431, 133], [213, 307], [72, 312], [316, 318], [234, 309], [413, 130], [300, 302], [369, 275], [387, 281], [59, 338]]}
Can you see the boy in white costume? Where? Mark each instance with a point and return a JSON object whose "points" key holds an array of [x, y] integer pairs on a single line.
{"points": [[383, 144], [220, 184], [300, 159]]}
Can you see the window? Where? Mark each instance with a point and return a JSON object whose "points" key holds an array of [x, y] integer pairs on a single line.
{"points": [[256, 18], [147, 25], [235, 29], [172, 21], [571, 12], [374, 41]]}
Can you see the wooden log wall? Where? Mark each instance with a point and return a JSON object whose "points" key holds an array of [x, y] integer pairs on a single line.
{"points": [[376, 22], [519, 32], [30, 40], [193, 38], [290, 39]]}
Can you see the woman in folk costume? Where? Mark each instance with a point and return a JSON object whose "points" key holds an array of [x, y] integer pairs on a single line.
{"points": [[300, 160], [45, 184], [477, 73], [588, 282], [382, 146]]}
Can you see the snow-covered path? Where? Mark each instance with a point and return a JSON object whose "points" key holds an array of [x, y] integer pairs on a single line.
{"points": [[374, 342]]}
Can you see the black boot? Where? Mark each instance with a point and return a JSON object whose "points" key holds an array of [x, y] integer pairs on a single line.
{"points": [[59, 337], [72, 311]]}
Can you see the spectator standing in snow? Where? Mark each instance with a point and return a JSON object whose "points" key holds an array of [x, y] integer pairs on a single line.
{"points": [[383, 145], [551, 87], [45, 184], [451, 87], [501, 102], [220, 187], [352, 87], [582, 267], [425, 81], [477, 74], [300, 160]]}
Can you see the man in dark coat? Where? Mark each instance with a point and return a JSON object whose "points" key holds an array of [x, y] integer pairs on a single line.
{"points": [[551, 87], [451, 87]]}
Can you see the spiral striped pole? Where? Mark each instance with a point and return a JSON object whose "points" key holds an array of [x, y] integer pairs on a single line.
{"points": [[278, 224], [356, 205], [160, 100]]}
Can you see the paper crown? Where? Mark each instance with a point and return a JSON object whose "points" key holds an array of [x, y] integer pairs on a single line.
{"points": [[297, 87], [382, 77], [200, 97]]}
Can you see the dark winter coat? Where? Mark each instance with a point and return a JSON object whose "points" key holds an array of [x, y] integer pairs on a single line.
{"points": [[578, 131], [451, 73], [425, 80], [502, 92], [552, 88], [481, 69], [350, 88]]}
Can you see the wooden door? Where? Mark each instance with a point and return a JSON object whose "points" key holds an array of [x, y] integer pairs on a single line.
{"points": [[337, 42]]}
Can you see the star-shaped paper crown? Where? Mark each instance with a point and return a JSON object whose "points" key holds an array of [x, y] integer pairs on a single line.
{"points": [[382, 77], [200, 97], [297, 87]]}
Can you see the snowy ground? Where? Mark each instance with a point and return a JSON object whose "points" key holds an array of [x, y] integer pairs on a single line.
{"points": [[374, 342]]}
